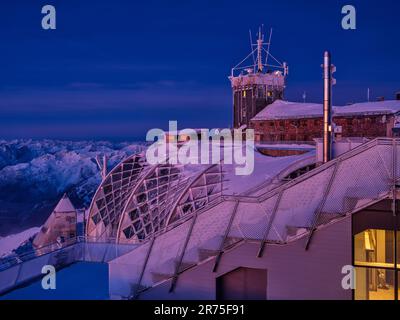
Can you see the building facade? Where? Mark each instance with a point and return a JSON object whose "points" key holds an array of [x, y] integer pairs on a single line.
{"points": [[287, 121]]}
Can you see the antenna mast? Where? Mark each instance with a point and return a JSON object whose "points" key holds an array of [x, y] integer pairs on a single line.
{"points": [[256, 81], [257, 65], [259, 49], [268, 47]]}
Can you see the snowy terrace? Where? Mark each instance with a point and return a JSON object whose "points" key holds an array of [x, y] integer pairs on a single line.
{"points": [[289, 212], [138, 200]]}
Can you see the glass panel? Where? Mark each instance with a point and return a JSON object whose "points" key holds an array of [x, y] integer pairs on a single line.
{"points": [[374, 248], [374, 284]]}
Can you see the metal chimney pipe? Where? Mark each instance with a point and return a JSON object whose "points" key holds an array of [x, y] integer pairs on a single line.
{"points": [[327, 146]]}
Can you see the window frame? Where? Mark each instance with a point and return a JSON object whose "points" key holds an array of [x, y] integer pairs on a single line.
{"points": [[381, 221]]}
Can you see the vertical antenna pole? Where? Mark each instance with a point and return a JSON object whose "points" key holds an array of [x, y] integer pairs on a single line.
{"points": [[269, 45], [252, 51]]}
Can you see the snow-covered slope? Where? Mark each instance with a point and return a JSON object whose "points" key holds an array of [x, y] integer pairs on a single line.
{"points": [[35, 174], [11, 242]]}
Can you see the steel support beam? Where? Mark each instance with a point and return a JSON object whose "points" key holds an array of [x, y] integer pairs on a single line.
{"points": [[182, 255], [139, 283], [321, 204], [269, 225], [228, 228]]}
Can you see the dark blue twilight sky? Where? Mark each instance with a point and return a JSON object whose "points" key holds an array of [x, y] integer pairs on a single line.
{"points": [[114, 68]]}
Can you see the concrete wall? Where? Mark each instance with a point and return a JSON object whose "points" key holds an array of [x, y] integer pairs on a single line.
{"points": [[293, 273]]}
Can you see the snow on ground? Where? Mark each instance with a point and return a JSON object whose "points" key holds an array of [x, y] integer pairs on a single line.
{"points": [[11, 242], [265, 169]]}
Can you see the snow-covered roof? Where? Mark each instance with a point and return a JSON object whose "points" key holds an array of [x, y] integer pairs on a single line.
{"points": [[64, 205], [265, 170], [376, 107], [11, 242], [298, 110]]}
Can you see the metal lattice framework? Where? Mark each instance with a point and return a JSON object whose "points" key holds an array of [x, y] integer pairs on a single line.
{"points": [[137, 200], [165, 195], [206, 188], [147, 208], [110, 198]]}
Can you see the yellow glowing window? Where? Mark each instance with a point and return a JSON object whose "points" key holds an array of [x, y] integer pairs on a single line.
{"points": [[374, 284], [374, 248], [244, 94], [269, 93], [375, 267]]}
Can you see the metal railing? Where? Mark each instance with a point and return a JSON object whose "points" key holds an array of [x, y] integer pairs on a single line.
{"points": [[37, 252], [29, 266]]}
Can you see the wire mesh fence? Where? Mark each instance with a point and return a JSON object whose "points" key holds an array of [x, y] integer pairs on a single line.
{"points": [[19, 271], [293, 210]]}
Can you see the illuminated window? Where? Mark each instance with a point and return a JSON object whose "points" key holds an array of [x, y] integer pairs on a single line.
{"points": [[374, 248], [374, 284], [374, 258]]}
